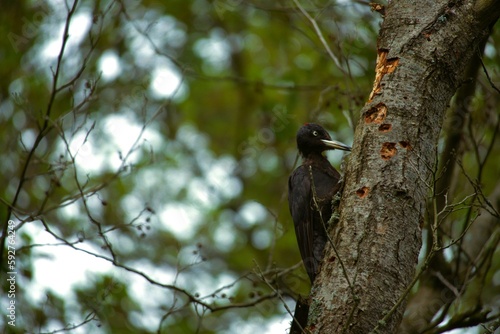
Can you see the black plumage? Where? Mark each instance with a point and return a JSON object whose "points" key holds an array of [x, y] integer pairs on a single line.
{"points": [[312, 141]]}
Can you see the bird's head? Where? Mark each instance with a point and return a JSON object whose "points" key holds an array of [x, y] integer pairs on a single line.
{"points": [[312, 138]]}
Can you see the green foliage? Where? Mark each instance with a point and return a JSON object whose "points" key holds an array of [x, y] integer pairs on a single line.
{"points": [[181, 195]]}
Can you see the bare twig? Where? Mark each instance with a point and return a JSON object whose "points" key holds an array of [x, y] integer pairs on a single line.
{"points": [[43, 129], [316, 206], [92, 316], [486, 72], [278, 294], [344, 269], [321, 37]]}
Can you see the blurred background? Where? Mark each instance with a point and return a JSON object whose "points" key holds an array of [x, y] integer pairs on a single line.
{"points": [[147, 147]]}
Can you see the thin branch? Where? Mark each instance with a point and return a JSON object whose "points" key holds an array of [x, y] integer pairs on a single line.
{"points": [[190, 296], [446, 283], [277, 293], [125, 267], [486, 72], [321, 37], [316, 206], [92, 316], [43, 129], [344, 269], [389, 314], [258, 84]]}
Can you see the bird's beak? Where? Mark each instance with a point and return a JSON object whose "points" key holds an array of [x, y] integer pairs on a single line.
{"points": [[335, 145]]}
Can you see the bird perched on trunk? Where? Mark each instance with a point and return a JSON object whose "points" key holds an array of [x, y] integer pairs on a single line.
{"points": [[311, 188], [311, 206]]}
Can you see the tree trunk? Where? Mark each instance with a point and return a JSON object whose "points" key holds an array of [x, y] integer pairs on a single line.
{"points": [[423, 49], [433, 293]]}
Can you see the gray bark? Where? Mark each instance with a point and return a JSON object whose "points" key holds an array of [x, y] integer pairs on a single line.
{"points": [[423, 48], [432, 293]]}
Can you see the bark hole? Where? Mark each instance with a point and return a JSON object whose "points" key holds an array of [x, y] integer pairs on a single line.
{"points": [[388, 150], [362, 192], [376, 114], [405, 144], [385, 127]]}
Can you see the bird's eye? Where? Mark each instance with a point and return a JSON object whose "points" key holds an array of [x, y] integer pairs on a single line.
{"points": [[315, 133]]}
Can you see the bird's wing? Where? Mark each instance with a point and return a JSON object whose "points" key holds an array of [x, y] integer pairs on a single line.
{"points": [[299, 202]]}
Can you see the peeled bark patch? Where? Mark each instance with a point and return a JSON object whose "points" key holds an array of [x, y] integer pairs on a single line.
{"points": [[379, 8], [388, 150], [362, 192], [385, 127], [384, 66], [376, 114]]}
